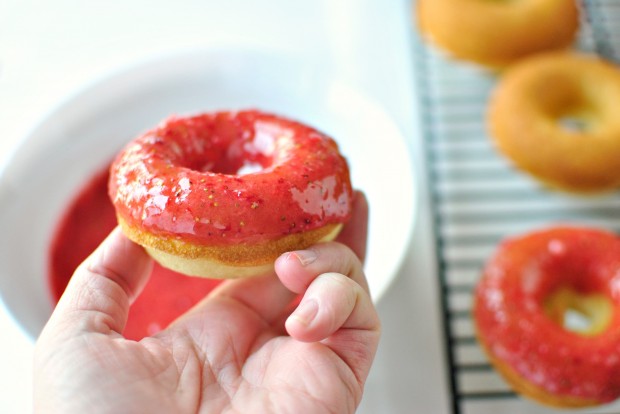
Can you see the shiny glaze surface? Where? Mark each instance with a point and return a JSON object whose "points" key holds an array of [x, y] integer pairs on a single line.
{"points": [[87, 220], [513, 326], [228, 177]]}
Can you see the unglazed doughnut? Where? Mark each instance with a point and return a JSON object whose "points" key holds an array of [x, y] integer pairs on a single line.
{"points": [[223, 194], [522, 307], [497, 33], [556, 117]]}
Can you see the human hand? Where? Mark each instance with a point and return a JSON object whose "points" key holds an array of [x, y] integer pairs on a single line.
{"points": [[230, 353]]}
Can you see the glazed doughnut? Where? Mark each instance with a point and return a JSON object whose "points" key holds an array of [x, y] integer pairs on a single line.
{"points": [[555, 116], [522, 311], [498, 33], [223, 194]]}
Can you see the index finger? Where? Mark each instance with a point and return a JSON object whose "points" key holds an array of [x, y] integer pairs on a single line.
{"points": [[355, 232], [100, 291]]}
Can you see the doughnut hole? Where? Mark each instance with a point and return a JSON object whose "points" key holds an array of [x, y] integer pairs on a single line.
{"points": [[255, 151], [224, 147], [585, 314], [575, 123], [571, 106]]}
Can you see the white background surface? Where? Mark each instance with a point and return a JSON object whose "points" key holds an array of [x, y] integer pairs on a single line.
{"points": [[49, 49]]}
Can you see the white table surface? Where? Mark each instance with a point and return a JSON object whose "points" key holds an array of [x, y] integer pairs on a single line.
{"points": [[49, 49]]}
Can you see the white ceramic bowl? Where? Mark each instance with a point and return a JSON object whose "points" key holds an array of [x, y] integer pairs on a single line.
{"points": [[82, 134]]}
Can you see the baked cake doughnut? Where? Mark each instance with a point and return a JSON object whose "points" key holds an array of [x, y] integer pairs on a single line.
{"points": [[556, 117], [223, 194], [522, 308], [498, 33]]}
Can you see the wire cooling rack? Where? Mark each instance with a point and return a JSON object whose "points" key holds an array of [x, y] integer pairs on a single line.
{"points": [[479, 199]]}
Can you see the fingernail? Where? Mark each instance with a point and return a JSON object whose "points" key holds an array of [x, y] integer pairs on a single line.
{"points": [[306, 311], [305, 257]]}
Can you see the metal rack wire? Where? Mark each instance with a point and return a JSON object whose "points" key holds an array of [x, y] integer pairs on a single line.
{"points": [[479, 199]]}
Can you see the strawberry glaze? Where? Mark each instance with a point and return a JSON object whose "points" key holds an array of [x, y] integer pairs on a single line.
{"points": [[513, 326], [230, 177]]}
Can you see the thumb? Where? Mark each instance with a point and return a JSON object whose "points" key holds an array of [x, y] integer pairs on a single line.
{"points": [[336, 308]]}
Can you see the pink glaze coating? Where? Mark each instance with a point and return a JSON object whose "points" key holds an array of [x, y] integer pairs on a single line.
{"points": [[229, 177], [513, 327]]}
